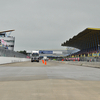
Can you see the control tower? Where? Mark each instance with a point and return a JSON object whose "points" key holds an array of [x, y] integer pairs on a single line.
{"points": [[6, 40]]}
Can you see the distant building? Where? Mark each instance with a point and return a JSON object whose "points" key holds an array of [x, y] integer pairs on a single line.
{"points": [[6, 40]]}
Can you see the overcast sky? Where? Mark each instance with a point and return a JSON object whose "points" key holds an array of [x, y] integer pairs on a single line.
{"points": [[45, 24]]}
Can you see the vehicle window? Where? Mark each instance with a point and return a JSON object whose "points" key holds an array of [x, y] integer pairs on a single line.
{"points": [[35, 54]]}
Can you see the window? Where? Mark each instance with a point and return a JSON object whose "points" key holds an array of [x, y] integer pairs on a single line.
{"points": [[10, 45], [9, 40]]}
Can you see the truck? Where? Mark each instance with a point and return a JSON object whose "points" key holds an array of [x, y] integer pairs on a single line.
{"points": [[35, 56]]}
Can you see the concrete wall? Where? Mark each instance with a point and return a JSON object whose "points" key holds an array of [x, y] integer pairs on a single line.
{"points": [[9, 53], [84, 63], [4, 60]]}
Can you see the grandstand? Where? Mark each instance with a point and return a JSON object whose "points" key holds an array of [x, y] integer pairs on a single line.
{"points": [[88, 41], [7, 45]]}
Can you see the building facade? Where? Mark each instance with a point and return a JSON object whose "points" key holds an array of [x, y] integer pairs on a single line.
{"points": [[6, 40]]}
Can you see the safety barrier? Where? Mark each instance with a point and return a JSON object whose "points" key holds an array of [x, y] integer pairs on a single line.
{"points": [[5, 60], [84, 63], [88, 59]]}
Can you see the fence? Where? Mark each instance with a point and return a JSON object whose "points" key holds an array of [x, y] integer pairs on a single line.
{"points": [[90, 59]]}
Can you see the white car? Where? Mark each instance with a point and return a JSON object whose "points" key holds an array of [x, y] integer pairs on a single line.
{"points": [[45, 58]]}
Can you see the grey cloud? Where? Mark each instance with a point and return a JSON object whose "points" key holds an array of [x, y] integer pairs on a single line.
{"points": [[51, 22]]}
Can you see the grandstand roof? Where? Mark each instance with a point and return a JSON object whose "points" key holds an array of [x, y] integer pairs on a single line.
{"points": [[6, 31], [88, 38]]}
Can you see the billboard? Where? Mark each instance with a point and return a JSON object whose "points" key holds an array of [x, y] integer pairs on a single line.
{"points": [[57, 52], [45, 52]]}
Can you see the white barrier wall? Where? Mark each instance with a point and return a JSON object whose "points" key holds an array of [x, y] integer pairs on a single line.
{"points": [[4, 60]]}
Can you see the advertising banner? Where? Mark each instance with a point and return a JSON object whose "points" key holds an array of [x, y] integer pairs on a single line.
{"points": [[45, 52], [90, 55], [57, 52], [95, 54], [3, 42]]}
